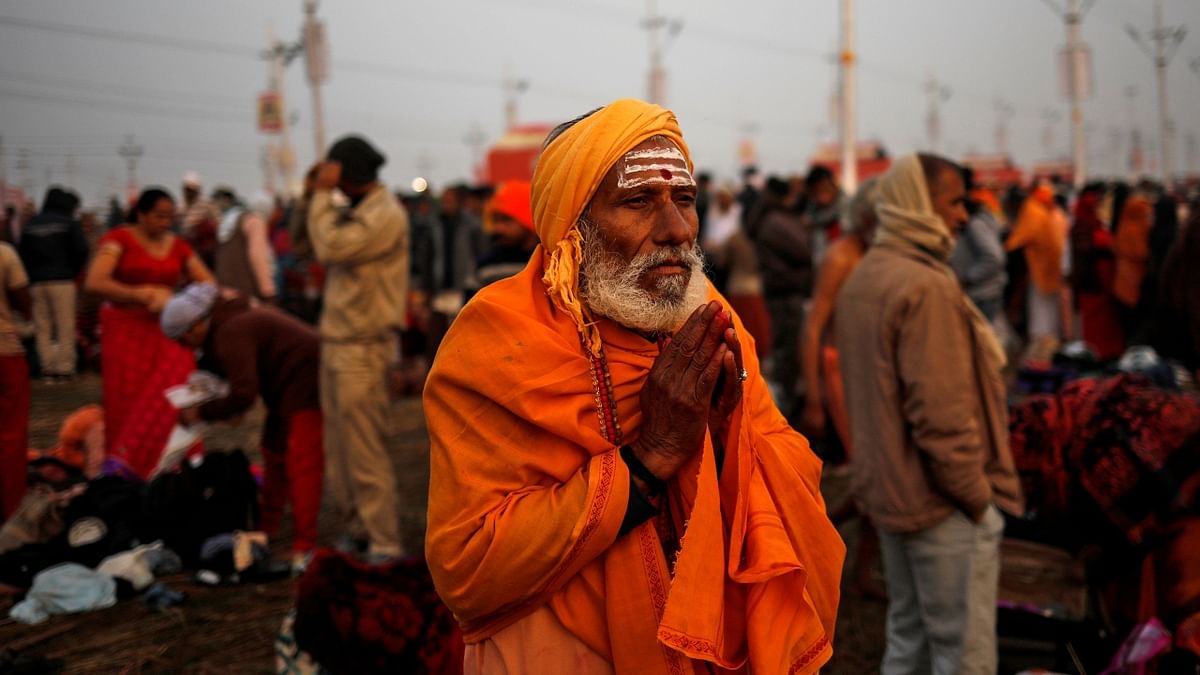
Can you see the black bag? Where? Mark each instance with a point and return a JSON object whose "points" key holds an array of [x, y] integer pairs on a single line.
{"points": [[186, 508]]}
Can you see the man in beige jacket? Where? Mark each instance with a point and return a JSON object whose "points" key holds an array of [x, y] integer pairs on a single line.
{"points": [[364, 246], [929, 426]]}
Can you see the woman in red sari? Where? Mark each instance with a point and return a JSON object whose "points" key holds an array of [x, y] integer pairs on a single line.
{"points": [[136, 269]]}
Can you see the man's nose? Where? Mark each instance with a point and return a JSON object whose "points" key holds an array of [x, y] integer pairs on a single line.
{"points": [[672, 227]]}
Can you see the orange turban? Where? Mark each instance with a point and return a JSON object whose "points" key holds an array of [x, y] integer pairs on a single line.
{"points": [[512, 199], [568, 172]]}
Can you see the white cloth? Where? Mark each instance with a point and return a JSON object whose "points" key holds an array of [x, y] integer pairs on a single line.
{"points": [[65, 589], [721, 226], [132, 566], [906, 217], [201, 387]]}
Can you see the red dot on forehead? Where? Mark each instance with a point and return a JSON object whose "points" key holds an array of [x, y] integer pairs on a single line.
{"points": [[666, 174]]}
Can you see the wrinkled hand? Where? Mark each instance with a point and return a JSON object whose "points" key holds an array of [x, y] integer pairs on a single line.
{"points": [[329, 175], [678, 394], [728, 392], [155, 298]]}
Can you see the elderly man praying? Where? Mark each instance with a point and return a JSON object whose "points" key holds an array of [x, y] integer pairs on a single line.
{"points": [[612, 488]]}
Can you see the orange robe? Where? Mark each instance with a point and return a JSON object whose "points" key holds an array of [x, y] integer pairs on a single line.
{"points": [[1131, 247], [528, 491], [1041, 230]]}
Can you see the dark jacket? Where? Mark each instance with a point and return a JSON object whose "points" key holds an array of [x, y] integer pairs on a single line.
{"points": [[260, 351], [785, 254], [53, 247]]}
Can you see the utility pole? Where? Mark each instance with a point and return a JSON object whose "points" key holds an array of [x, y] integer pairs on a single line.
{"points": [[848, 121], [513, 88], [266, 163], [1166, 41], [657, 81], [3, 178], [71, 171], [1193, 152], [1004, 112], [1050, 117], [1076, 69], [23, 169], [131, 152], [474, 140], [938, 93], [1116, 138], [316, 62], [278, 55], [1076, 78]]}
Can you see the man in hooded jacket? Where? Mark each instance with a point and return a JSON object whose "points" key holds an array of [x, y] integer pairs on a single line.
{"points": [[929, 425]]}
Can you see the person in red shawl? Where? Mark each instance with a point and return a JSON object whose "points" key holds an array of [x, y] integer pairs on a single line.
{"points": [[1092, 269], [136, 270]]}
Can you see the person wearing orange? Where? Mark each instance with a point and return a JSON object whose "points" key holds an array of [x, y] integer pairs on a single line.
{"points": [[1041, 230], [612, 488], [509, 220]]}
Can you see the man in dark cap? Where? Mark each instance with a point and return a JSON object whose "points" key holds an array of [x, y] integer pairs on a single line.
{"points": [[360, 233]]}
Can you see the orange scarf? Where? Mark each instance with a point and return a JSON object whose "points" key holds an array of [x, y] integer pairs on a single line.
{"points": [[567, 174], [528, 491]]}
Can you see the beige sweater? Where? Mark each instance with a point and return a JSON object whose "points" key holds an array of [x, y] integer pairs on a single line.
{"points": [[365, 251]]}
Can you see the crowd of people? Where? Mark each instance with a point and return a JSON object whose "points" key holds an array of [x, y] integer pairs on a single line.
{"points": [[599, 388]]}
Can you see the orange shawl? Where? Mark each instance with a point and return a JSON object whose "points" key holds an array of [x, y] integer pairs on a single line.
{"points": [[528, 491], [1131, 247], [1041, 229]]}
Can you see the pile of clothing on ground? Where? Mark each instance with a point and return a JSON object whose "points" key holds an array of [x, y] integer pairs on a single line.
{"points": [[1109, 459], [77, 543], [354, 617]]}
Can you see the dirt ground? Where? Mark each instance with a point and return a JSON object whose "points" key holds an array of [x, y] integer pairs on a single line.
{"points": [[232, 629]]}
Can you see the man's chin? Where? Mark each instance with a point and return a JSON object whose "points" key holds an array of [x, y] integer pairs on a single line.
{"points": [[666, 286]]}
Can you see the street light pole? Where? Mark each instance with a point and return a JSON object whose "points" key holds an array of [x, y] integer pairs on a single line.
{"points": [[279, 54], [1166, 40], [656, 88], [1076, 75], [849, 140], [316, 60], [131, 152]]}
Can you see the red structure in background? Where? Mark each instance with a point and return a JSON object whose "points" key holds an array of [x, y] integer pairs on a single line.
{"points": [[994, 171], [513, 156], [873, 159]]}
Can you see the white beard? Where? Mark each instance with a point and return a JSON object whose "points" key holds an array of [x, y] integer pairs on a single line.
{"points": [[611, 286]]}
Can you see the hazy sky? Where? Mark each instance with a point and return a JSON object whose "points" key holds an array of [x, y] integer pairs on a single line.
{"points": [[76, 76]]}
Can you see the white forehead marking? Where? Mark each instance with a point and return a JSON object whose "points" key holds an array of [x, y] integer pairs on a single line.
{"points": [[656, 153], [636, 172], [626, 183]]}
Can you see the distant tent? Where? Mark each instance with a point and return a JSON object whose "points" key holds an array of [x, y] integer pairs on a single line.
{"points": [[513, 156]]}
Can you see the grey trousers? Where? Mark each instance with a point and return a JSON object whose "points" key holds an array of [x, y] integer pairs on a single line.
{"points": [[359, 474], [941, 616], [54, 325]]}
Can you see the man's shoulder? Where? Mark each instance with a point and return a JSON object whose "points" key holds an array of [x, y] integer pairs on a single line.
{"points": [[888, 276]]}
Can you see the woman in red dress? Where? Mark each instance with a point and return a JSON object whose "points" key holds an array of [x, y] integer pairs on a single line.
{"points": [[136, 270]]}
